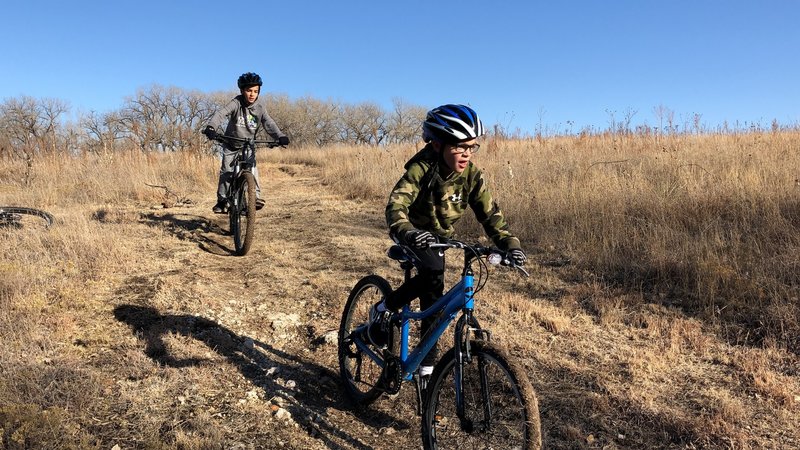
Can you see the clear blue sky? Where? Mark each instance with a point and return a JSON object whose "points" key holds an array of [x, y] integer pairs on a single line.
{"points": [[518, 63]]}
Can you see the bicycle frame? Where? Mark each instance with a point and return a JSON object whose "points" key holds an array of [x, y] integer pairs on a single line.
{"points": [[459, 397], [244, 160], [242, 188], [458, 298]]}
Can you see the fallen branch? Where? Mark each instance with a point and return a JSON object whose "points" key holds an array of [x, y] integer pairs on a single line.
{"points": [[179, 200]]}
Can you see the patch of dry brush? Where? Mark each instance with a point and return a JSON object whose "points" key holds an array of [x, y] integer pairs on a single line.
{"points": [[674, 326], [710, 223]]}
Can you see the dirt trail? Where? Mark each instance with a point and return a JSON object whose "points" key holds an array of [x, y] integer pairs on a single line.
{"points": [[242, 336], [241, 350]]}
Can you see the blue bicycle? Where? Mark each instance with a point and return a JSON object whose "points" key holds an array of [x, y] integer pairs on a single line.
{"points": [[476, 397]]}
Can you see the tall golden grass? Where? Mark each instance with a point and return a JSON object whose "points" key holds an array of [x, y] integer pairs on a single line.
{"points": [[710, 223], [45, 279], [707, 222]]}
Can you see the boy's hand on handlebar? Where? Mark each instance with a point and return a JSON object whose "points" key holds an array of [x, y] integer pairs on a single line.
{"points": [[210, 132], [517, 256], [283, 140], [419, 239]]}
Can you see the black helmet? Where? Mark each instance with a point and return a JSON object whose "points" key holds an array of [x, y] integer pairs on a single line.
{"points": [[249, 79], [451, 124]]}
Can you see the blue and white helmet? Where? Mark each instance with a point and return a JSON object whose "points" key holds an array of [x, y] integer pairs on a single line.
{"points": [[451, 124]]}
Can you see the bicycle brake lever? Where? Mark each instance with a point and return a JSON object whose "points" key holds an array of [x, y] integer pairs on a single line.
{"points": [[509, 263]]}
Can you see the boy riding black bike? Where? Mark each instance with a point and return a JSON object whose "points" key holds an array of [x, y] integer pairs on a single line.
{"points": [[439, 183], [241, 118]]}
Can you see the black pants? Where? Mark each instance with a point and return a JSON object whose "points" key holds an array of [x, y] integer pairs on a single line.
{"points": [[428, 285]]}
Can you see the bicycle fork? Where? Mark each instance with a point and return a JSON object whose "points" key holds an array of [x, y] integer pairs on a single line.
{"points": [[467, 325]]}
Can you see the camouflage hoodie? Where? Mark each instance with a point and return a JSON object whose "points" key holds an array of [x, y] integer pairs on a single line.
{"points": [[421, 199]]}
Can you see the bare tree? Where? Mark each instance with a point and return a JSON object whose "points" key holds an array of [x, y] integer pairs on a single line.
{"points": [[166, 119], [405, 121], [364, 123], [30, 127], [102, 130], [189, 112], [626, 121], [287, 115], [662, 114], [143, 116], [31, 122], [324, 120], [161, 118]]}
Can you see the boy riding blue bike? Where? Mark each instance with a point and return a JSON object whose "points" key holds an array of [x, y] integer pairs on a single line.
{"points": [[241, 118], [439, 184]]}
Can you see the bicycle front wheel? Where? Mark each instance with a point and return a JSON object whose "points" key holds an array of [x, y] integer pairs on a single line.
{"points": [[500, 409], [242, 213], [22, 217], [360, 374]]}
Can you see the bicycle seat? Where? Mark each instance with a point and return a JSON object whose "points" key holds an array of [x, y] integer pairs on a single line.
{"points": [[397, 253]]}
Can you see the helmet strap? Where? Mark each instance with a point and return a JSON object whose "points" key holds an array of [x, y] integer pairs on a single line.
{"points": [[443, 167]]}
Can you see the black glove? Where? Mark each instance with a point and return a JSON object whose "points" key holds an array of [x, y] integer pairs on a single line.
{"points": [[517, 256], [210, 132], [419, 239], [283, 140]]}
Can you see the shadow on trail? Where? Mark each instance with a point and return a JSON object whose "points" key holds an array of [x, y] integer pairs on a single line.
{"points": [[196, 229], [316, 388]]}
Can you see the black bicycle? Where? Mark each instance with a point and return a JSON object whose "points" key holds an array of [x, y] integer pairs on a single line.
{"points": [[477, 397], [20, 217], [241, 195]]}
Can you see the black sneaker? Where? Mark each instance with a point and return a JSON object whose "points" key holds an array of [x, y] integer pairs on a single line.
{"points": [[377, 331], [220, 207]]}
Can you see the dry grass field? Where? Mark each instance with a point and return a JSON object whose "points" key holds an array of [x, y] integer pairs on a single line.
{"points": [[661, 312]]}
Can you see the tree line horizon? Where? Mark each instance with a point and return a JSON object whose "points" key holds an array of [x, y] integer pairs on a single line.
{"points": [[160, 118]]}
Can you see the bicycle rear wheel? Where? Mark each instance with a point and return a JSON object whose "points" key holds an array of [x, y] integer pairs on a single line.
{"points": [[500, 406], [22, 217], [360, 374], [242, 213]]}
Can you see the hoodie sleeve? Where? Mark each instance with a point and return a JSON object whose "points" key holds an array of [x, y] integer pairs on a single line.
{"points": [[488, 213], [219, 117], [402, 197]]}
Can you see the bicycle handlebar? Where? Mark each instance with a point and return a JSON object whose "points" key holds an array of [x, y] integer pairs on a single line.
{"points": [[495, 256], [231, 139]]}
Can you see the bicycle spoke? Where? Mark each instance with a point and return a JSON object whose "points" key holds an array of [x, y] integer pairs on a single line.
{"points": [[242, 213], [360, 374], [496, 412]]}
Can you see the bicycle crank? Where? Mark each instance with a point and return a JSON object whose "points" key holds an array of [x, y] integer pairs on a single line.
{"points": [[392, 377]]}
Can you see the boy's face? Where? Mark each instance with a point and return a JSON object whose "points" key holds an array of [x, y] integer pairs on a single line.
{"points": [[251, 94], [457, 156]]}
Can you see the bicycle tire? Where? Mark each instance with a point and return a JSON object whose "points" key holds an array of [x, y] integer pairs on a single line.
{"points": [[11, 216], [242, 213], [360, 375], [512, 408]]}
